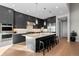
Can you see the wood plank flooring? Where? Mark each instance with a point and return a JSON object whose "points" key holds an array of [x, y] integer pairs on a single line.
{"points": [[62, 49]]}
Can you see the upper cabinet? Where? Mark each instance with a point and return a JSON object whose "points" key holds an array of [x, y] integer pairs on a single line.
{"points": [[51, 19], [6, 15], [19, 20], [38, 23]]}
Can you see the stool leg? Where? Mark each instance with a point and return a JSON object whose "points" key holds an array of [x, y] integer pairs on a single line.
{"points": [[43, 52]]}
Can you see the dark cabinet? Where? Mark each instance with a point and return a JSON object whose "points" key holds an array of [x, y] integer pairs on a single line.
{"points": [[20, 20], [30, 18], [17, 38], [38, 23], [35, 25], [6, 15]]}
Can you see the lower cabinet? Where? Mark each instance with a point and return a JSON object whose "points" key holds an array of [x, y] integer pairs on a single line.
{"points": [[17, 38]]}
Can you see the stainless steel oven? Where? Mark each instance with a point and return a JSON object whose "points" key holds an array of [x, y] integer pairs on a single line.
{"points": [[6, 31], [6, 37], [6, 28]]}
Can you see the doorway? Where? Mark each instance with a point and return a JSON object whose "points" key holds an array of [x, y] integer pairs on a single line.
{"points": [[62, 27]]}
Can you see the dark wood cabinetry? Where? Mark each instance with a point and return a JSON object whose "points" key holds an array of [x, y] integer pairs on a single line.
{"points": [[37, 23], [40, 23], [52, 19], [6, 15], [17, 38], [19, 20]]}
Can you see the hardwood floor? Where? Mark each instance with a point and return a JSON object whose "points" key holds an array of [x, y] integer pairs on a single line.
{"points": [[62, 49]]}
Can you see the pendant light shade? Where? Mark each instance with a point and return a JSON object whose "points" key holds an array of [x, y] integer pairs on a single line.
{"points": [[44, 23], [36, 21]]}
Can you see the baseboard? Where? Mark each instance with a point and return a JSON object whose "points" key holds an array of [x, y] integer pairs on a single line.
{"points": [[77, 40]]}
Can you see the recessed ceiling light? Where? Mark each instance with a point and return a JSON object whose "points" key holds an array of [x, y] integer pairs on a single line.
{"points": [[44, 8], [13, 5], [27, 11], [56, 6], [50, 11]]}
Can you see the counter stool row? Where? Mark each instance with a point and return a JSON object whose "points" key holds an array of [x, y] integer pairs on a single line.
{"points": [[46, 43]]}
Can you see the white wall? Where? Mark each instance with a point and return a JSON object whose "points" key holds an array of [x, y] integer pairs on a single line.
{"points": [[74, 16]]}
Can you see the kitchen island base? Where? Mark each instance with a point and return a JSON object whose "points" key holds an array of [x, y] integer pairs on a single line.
{"points": [[33, 40]]}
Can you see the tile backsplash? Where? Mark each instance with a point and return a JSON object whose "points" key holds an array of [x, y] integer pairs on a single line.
{"points": [[28, 30]]}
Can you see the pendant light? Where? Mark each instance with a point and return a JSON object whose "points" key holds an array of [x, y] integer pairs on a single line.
{"points": [[36, 21], [43, 12], [44, 23]]}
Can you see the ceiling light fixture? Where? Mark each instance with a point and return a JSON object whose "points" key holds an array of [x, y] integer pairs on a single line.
{"points": [[44, 23], [56, 6], [13, 5], [50, 11], [27, 11], [44, 8]]}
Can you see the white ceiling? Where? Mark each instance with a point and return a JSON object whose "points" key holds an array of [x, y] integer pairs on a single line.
{"points": [[38, 9]]}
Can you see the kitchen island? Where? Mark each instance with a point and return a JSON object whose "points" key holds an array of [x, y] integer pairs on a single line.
{"points": [[33, 40]]}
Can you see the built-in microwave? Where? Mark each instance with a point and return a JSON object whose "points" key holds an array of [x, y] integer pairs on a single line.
{"points": [[6, 28], [6, 34]]}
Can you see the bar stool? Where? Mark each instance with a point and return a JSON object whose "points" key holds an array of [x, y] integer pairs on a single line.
{"points": [[56, 40], [42, 46], [47, 43]]}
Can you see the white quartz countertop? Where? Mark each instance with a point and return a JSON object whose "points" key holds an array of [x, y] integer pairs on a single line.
{"points": [[38, 35]]}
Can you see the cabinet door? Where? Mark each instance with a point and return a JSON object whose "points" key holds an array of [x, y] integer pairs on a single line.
{"points": [[18, 38], [38, 23], [20, 20], [35, 25], [6, 15]]}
